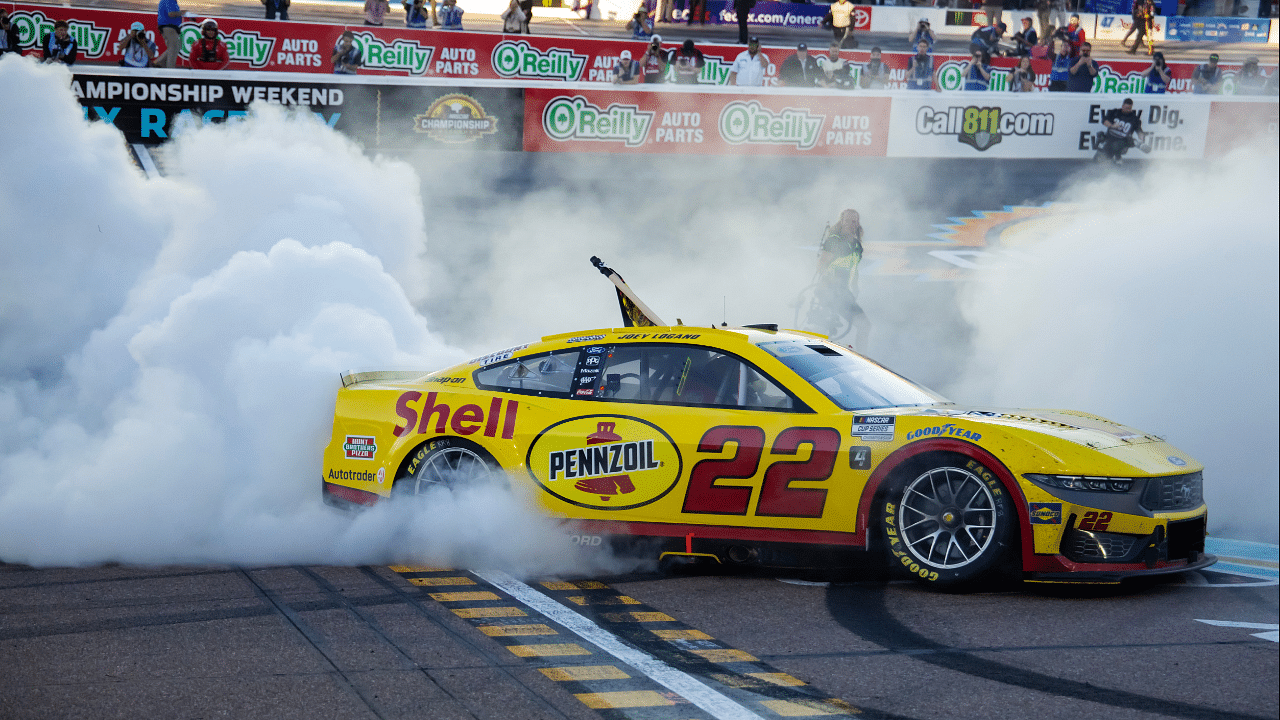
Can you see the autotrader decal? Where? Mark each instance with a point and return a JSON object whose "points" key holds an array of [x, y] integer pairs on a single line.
{"points": [[607, 462]]}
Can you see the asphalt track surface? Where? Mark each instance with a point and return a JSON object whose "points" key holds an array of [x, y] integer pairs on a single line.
{"points": [[782, 39], [378, 642]]}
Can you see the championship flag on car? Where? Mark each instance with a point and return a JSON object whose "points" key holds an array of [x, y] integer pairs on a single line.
{"points": [[634, 312]]}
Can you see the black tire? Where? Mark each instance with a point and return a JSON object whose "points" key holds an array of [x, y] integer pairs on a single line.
{"points": [[948, 522], [445, 463]]}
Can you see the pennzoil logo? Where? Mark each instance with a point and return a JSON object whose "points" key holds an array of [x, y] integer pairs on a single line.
{"points": [[606, 462], [981, 127], [455, 118]]}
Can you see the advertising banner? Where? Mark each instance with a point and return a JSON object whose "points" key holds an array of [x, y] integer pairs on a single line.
{"points": [[1232, 124], [588, 120], [150, 108], [1019, 126], [1114, 27], [1210, 29], [307, 47]]}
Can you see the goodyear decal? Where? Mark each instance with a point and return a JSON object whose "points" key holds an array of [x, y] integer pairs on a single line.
{"points": [[606, 462], [1046, 513], [945, 431]]}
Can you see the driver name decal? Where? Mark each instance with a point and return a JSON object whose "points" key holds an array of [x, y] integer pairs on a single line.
{"points": [[606, 462]]}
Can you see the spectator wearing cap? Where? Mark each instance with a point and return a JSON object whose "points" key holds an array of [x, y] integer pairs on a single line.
{"points": [[1207, 78], [749, 67], [654, 61], [640, 25], [987, 39], [875, 73], [626, 71], [136, 49], [209, 52], [688, 62], [799, 70], [168, 20], [277, 7], [922, 32], [1250, 80], [1026, 38], [59, 46], [1083, 71], [1074, 35], [743, 10]]}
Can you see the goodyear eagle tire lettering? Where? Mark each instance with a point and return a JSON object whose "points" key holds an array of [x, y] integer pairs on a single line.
{"points": [[445, 462], [946, 520]]}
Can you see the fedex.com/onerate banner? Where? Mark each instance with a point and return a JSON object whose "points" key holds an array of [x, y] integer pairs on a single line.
{"points": [[308, 47]]}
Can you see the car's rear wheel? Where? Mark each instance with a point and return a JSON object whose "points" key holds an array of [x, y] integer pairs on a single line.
{"points": [[445, 463], [948, 522]]}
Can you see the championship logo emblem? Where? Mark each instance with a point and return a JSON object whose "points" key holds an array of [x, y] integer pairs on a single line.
{"points": [[455, 119], [606, 462]]}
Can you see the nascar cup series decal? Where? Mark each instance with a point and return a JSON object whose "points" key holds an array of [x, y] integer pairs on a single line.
{"points": [[606, 462]]}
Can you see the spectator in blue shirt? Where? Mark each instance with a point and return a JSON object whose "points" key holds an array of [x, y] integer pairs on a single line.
{"points": [[977, 76], [415, 14], [922, 32], [1061, 70], [59, 46], [168, 20], [347, 57], [450, 15], [1083, 71]]}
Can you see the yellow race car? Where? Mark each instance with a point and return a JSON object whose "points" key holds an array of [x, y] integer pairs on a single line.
{"points": [[775, 447]]}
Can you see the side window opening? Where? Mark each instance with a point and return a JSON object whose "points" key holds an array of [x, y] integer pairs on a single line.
{"points": [[687, 375], [550, 374]]}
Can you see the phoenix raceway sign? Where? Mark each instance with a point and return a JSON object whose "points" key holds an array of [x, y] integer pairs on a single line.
{"points": [[1013, 126], [585, 120]]}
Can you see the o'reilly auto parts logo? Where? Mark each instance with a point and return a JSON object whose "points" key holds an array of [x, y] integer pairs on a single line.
{"points": [[399, 54], [981, 127], [455, 118], [33, 26], [576, 118], [752, 123], [606, 462], [243, 46], [520, 59]]}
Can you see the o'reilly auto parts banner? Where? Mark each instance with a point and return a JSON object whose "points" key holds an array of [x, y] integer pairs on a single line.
{"points": [[1001, 125], [149, 107], [588, 120]]}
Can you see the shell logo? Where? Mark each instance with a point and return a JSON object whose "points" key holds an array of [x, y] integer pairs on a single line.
{"points": [[606, 462]]}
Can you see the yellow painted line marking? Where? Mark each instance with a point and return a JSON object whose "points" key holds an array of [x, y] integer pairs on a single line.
{"points": [[777, 678], [463, 596], [638, 617], [726, 655], [431, 582], [682, 634], [787, 708], [418, 568], [615, 600], [584, 672], [489, 612], [513, 630], [548, 650], [575, 585], [626, 699]]}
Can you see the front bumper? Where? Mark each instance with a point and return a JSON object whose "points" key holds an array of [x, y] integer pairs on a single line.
{"points": [[1107, 557]]}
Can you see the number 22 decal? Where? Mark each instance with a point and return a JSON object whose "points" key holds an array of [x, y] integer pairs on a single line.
{"points": [[1096, 521], [777, 497]]}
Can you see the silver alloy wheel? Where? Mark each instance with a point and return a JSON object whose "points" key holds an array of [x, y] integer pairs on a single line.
{"points": [[947, 517], [447, 467]]}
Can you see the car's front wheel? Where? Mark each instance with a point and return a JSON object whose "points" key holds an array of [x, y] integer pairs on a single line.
{"points": [[949, 522], [445, 463]]}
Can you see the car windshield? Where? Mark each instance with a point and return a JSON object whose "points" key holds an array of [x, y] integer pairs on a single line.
{"points": [[851, 381]]}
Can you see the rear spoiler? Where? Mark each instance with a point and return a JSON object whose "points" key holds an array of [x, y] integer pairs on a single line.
{"points": [[351, 377]]}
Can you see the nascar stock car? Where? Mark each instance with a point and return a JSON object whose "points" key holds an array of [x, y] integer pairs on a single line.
{"points": [[774, 447]]}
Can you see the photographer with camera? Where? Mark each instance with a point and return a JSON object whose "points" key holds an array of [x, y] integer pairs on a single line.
{"points": [[347, 57], [655, 61], [626, 71], [415, 14], [59, 46], [1026, 38], [640, 25], [1158, 75], [1083, 72], [1122, 124], [922, 32], [9, 41], [137, 50], [920, 68]]}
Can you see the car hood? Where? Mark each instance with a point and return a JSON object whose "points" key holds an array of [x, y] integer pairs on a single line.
{"points": [[1082, 428]]}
